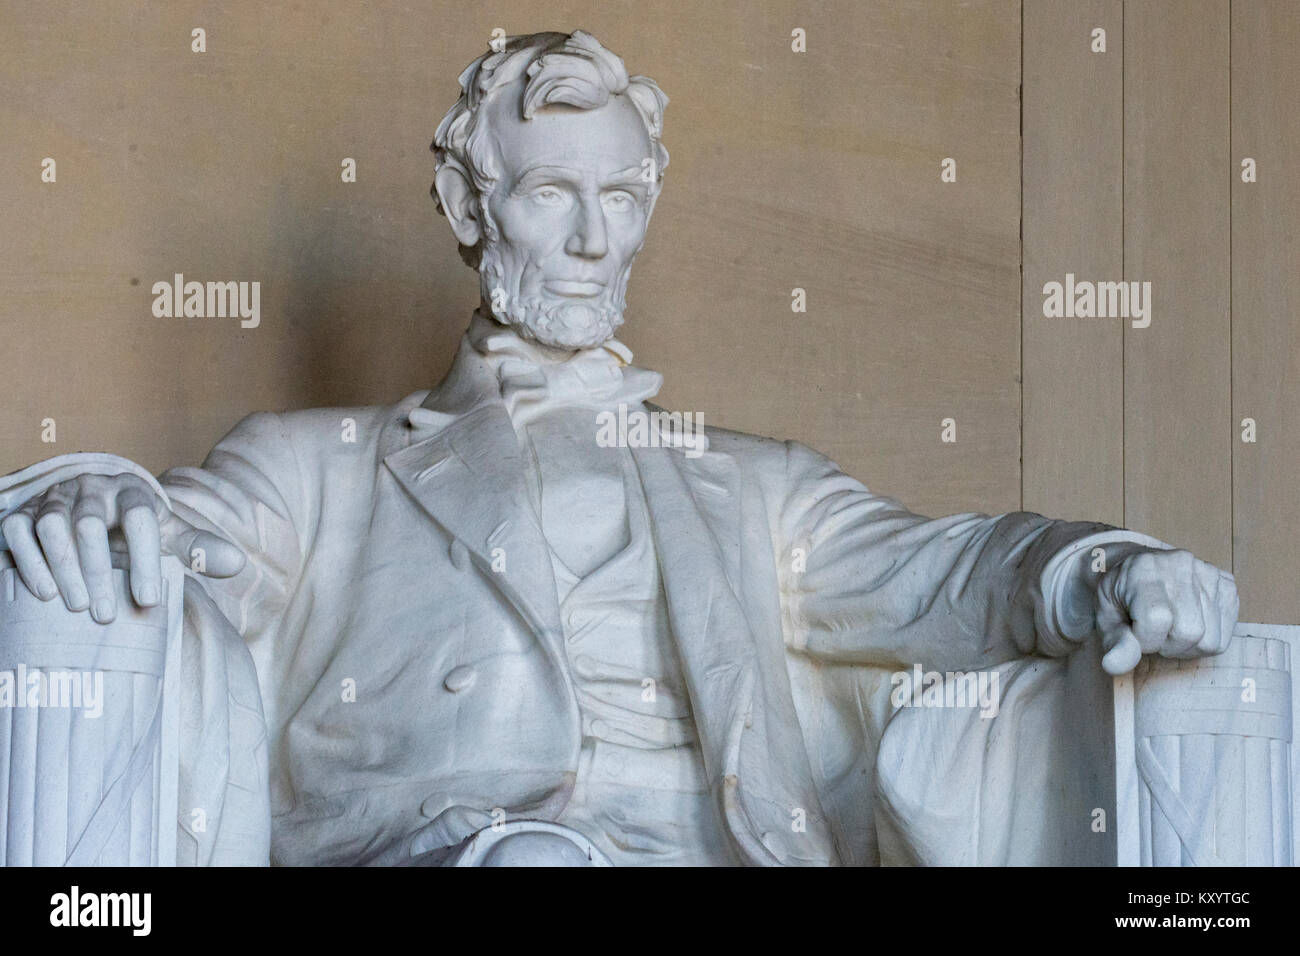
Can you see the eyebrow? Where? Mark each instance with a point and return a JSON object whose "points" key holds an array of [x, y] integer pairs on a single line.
{"points": [[626, 177], [631, 176], [531, 176]]}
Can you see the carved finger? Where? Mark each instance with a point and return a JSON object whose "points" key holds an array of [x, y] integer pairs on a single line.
{"points": [[202, 551], [139, 520], [1229, 603], [1152, 614], [1110, 609], [1211, 641], [96, 566], [19, 530], [54, 532], [1124, 653], [1189, 623]]}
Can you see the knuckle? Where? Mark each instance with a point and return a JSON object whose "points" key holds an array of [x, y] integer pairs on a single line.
{"points": [[92, 485], [51, 502], [128, 484], [1157, 615], [1145, 560], [89, 525], [138, 513], [14, 524], [50, 521], [60, 495], [140, 502], [87, 507]]}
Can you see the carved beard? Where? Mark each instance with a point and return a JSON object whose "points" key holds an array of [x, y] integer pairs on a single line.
{"points": [[567, 325]]}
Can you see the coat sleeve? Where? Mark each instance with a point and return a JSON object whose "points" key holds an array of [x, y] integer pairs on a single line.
{"points": [[865, 581], [250, 490]]}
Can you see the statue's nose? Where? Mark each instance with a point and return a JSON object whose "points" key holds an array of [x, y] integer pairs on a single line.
{"points": [[588, 239]]}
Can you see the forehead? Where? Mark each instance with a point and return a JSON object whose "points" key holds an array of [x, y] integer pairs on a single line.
{"points": [[599, 141]]}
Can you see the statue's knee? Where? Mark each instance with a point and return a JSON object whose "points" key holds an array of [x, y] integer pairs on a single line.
{"points": [[535, 849]]}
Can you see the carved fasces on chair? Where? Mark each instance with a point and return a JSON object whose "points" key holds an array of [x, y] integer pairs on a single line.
{"points": [[1203, 756], [89, 727]]}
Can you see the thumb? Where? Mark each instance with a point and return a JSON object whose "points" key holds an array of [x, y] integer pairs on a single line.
{"points": [[1124, 651], [201, 551]]}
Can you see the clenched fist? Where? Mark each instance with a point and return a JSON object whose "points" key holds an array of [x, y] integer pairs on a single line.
{"points": [[1163, 602], [60, 541]]}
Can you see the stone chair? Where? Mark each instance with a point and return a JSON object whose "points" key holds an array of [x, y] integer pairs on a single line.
{"points": [[1179, 763]]}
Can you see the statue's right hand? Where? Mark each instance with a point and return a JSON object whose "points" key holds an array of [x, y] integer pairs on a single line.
{"points": [[60, 542]]}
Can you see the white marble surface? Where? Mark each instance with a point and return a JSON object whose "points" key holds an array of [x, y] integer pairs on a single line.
{"points": [[383, 662]]}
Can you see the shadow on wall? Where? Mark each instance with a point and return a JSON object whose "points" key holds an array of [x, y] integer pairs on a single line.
{"points": [[357, 331]]}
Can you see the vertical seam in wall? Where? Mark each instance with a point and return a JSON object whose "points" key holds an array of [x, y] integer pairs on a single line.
{"points": [[1020, 87], [1123, 260], [1232, 418]]}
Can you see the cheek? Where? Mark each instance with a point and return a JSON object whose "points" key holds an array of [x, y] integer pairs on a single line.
{"points": [[627, 233], [532, 234]]}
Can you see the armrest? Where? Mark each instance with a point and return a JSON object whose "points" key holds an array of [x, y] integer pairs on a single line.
{"points": [[89, 728], [1203, 756], [1179, 763]]}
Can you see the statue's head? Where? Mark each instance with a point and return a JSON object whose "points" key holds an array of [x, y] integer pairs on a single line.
{"points": [[548, 168]]}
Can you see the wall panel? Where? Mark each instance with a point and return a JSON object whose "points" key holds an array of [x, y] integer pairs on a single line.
{"points": [[1176, 236], [1266, 307], [1073, 220]]}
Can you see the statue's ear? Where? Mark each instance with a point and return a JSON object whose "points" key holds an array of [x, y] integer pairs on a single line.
{"points": [[460, 204]]}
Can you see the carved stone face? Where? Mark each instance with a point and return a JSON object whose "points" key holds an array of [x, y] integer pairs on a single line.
{"points": [[570, 207]]}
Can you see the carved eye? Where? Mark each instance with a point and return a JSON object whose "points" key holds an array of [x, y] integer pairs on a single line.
{"points": [[619, 202], [548, 196]]}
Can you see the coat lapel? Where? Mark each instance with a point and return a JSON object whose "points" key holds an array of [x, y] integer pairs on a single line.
{"points": [[712, 635], [743, 707], [468, 476]]}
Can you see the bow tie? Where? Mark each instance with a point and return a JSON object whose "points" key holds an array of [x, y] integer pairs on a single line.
{"points": [[532, 383]]}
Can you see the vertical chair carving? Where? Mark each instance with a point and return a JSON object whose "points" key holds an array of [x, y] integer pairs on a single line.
{"points": [[1203, 756], [79, 787]]}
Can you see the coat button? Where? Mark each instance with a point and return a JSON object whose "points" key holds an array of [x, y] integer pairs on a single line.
{"points": [[459, 555], [459, 678]]}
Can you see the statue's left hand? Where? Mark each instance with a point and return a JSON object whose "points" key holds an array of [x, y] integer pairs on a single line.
{"points": [[1163, 602]]}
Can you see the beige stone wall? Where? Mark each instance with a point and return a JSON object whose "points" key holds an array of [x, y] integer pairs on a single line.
{"points": [[817, 170], [1133, 167]]}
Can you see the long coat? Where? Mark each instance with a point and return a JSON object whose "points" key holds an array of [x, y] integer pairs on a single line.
{"points": [[400, 612]]}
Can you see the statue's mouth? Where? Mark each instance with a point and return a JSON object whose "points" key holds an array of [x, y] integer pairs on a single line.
{"points": [[573, 289]]}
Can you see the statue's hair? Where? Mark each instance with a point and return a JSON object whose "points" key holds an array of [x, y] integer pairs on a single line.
{"points": [[571, 69]]}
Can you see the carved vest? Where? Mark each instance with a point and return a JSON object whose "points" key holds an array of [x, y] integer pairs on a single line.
{"points": [[641, 792]]}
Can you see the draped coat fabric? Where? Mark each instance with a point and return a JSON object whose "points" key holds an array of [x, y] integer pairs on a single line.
{"points": [[400, 612]]}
